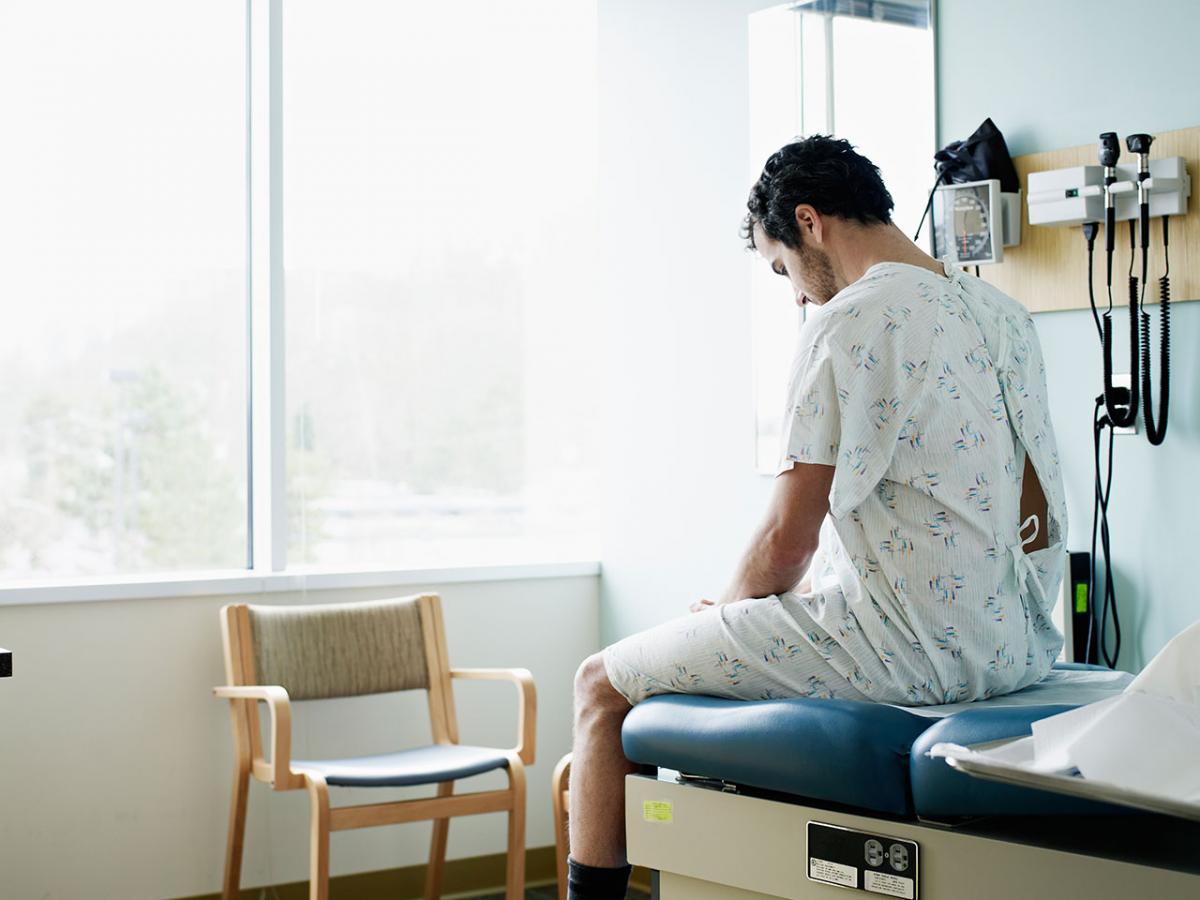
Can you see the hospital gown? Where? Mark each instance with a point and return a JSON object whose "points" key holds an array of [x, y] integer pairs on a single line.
{"points": [[925, 393]]}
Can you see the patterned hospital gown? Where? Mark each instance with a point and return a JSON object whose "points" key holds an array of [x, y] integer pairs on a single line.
{"points": [[925, 393]]}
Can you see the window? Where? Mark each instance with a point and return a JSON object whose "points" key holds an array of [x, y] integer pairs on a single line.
{"points": [[864, 72], [122, 287], [438, 220], [400, 197]]}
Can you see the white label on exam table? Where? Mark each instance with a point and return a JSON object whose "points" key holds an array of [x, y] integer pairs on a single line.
{"points": [[825, 870], [863, 860], [887, 883]]}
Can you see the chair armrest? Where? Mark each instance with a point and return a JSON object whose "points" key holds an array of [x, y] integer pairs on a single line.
{"points": [[279, 769], [526, 704]]}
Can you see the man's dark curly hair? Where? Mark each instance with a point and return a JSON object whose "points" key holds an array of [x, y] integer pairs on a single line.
{"points": [[824, 172]]}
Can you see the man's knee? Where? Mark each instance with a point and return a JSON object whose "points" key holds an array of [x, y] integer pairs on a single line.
{"points": [[593, 690]]}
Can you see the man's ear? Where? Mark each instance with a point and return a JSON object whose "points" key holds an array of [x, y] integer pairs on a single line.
{"points": [[809, 221]]}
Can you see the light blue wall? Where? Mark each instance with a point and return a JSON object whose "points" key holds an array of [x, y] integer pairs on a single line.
{"points": [[1034, 67]]}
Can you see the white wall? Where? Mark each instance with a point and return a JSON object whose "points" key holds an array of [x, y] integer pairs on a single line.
{"points": [[682, 495], [115, 761]]}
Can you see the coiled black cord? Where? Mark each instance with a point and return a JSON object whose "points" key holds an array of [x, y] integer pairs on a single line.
{"points": [[1156, 426]]}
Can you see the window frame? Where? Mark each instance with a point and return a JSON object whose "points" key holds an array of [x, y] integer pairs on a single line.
{"points": [[266, 570]]}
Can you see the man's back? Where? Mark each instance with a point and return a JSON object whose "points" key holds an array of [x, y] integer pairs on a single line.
{"points": [[926, 393]]}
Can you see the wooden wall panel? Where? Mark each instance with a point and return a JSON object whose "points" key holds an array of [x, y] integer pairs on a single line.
{"points": [[1048, 271]]}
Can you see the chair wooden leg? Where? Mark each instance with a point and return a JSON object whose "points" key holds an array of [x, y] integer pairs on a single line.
{"points": [[318, 793], [237, 830], [515, 881], [437, 849], [560, 805]]}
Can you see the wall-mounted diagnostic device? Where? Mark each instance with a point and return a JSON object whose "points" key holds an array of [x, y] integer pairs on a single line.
{"points": [[1105, 194], [1077, 195], [973, 222], [1109, 193]]}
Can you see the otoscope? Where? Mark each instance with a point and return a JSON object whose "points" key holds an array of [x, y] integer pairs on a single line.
{"points": [[1140, 145], [1121, 415], [1156, 429]]}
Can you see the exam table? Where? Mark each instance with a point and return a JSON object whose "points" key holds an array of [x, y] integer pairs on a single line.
{"points": [[807, 798]]}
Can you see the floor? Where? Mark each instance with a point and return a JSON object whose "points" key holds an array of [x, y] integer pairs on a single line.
{"points": [[550, 893]]}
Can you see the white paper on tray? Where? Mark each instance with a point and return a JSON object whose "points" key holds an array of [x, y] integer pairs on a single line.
{"points": [[1175, 672], [1055, 738], [1015, 754], [1144, 743], [1146, 739]]}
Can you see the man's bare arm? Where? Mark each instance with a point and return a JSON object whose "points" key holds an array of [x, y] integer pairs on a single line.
{"points": [[785, 542]]}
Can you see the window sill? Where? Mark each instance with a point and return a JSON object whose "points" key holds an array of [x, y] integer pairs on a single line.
{"points": [[241, 582]]}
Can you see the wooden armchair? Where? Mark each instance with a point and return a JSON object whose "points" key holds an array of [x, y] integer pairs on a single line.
{"points": [[277, 654], [560, 805]]}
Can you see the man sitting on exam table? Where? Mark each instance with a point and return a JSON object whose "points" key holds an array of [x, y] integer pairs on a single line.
{"points": [[919, 479]]}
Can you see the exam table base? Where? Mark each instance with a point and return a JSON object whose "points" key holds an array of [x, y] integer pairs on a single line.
{"points": [[734, 847]]}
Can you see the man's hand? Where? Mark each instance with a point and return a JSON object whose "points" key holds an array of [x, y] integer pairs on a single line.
{"points": [[701, 605]]}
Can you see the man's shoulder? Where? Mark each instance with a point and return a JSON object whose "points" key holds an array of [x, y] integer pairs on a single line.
{"points": [[890, 304], [1006, 302], [988, 302]]}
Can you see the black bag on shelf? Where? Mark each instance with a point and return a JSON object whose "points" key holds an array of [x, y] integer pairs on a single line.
{"points": [[982, 156]]}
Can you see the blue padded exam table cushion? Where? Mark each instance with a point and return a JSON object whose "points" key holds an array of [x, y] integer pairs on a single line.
{"points": [[855, 753], [841, 751], [940, 791]]}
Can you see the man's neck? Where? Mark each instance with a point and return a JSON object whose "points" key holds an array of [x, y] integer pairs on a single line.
{"points": [[864, 246]]}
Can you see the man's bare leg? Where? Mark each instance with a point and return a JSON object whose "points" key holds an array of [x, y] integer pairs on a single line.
{"points": [[598, 770]]}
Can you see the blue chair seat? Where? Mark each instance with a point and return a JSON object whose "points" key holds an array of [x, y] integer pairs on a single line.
{"points": [[420, 765]]}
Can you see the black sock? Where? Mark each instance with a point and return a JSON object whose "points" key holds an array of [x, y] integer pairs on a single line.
{"points": [[596, 882]]}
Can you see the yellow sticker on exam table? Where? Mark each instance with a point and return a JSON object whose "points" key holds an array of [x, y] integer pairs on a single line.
{"points": [[657, 811]]}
